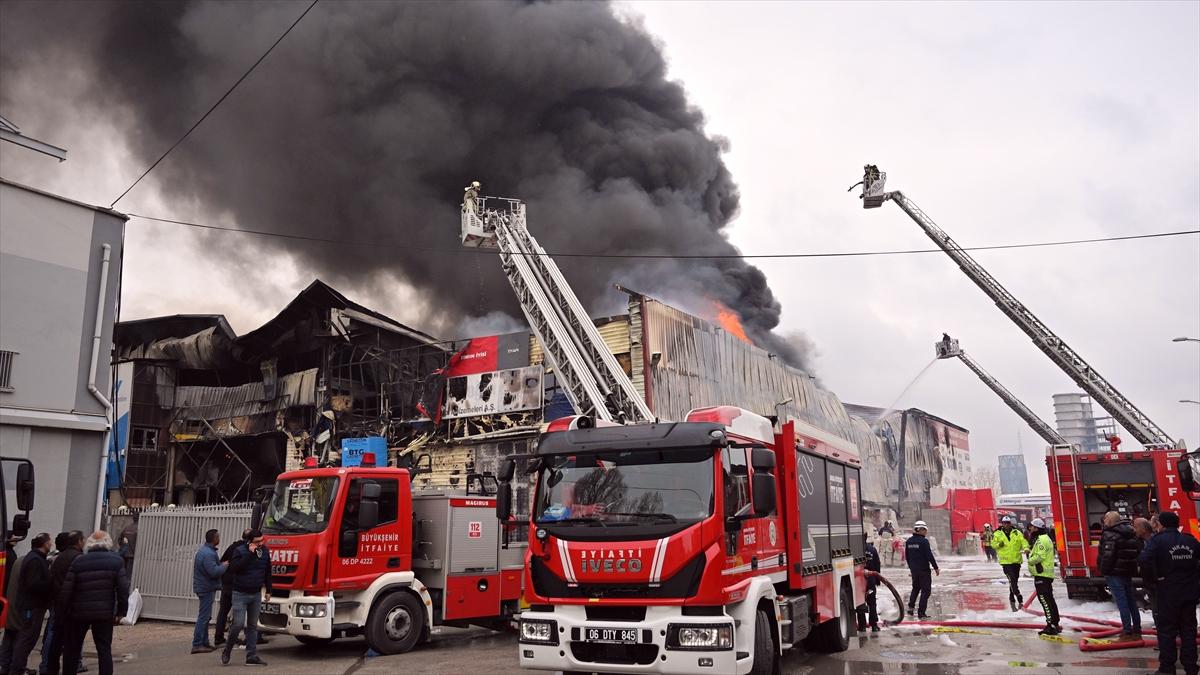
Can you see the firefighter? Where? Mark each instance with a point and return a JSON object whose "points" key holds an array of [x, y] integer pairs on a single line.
{"points": [[470, 197], [1041, 566], [872, 573], [920, 559], [1009, 544], [986, 540], [1172, 558]]}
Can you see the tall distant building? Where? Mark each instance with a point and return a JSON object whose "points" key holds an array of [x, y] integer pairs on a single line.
{"points": [[1076, 422], [1014, 480]]}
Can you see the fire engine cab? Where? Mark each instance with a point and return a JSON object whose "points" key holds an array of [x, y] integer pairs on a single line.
{"points": [[357, 551], [704, 546]]}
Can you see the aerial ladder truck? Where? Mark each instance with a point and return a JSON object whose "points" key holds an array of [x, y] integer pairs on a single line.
{"points": [[709, 545], [1083, 486]]}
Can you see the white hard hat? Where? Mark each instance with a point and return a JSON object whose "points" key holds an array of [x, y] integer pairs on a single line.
{"points": [[475, 183], [1038, 523], [920, 525], [1006, 519]]}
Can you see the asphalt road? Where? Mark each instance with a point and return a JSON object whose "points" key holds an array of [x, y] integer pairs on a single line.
{"points": [[155, 648]]}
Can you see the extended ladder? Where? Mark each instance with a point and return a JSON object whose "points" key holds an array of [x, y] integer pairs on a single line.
{"points": [[947, 348], [1101, 390], [587, 371]]}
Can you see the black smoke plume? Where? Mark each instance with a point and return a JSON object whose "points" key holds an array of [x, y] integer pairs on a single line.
{"points": [[368, 120]]}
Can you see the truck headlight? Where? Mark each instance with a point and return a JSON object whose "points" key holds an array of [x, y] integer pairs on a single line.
{"points": [[310, 611], [699, 637], [539, 631]]}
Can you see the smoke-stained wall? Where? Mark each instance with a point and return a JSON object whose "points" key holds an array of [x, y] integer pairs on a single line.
{"points": [[367, 120]]}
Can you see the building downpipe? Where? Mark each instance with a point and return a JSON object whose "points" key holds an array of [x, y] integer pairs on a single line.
{"points": [[95, 392]]}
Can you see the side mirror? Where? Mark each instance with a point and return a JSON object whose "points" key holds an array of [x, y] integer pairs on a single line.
{"points": [[504, 502], [764, 494], [1187, 479], [20, 526], [763, 460], [25, 486], [368, 506], [256, 516], [507, 469]]}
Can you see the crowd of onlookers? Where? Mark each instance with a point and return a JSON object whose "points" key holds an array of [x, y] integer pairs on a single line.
{"points": [[69, 586]]}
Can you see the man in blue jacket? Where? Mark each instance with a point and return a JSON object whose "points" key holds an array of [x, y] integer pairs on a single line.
{"points": [[251, 567], [206, 579], [1172, 559], [920, 559]]}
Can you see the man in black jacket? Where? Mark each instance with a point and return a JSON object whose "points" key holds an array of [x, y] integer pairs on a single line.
{"points": [[227, 589], [1119, 550], [34, 594], [94, 596], [70, 548], [873, 567], [1172, 559], [251, 567], [920, 559]]}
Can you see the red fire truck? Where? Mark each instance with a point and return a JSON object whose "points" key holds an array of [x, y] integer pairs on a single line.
{"points": [[1084, 486], [20, 523], [357, 551], [704, 546]]}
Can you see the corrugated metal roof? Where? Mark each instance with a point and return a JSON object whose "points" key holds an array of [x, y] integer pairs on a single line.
{"points": [[211, 403]]}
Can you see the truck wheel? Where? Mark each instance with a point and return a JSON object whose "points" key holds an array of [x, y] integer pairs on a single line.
{"points": [[765, 653], [834, 636], [308, 641], [395, 624]]}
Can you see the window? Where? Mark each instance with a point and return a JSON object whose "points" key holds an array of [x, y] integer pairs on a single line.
{"points": [[6, 366], [389, 502], [737, 482]]}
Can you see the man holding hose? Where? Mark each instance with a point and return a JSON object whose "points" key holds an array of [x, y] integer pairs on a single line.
{"points": [[1009, 544]]}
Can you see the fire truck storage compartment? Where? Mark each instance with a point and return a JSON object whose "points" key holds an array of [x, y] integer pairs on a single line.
{"points": [[455, 553], [830, 512], [1126, 487]]}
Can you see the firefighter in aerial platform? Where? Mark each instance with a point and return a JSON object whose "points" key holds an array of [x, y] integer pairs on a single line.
{"points": [[471, 198]]}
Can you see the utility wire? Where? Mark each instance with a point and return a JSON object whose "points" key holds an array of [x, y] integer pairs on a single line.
{"points": [[214, 106], [664, 256]]}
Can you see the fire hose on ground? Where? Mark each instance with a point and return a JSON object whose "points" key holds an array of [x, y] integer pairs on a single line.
{"points": [[1094, 639]]}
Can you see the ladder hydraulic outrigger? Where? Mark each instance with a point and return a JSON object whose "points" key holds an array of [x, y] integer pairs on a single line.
{"points": [[584, 367], [1101, 390], [947, 348]]}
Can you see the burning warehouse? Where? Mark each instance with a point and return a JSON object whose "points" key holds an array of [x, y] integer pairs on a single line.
{"points": [[207, 416]]}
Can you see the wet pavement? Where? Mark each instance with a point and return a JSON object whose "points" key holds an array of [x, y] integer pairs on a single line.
{"points": [[967, 589]]}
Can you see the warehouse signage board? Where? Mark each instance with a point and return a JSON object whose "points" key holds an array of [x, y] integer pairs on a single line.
{"points": [[491, 393]]}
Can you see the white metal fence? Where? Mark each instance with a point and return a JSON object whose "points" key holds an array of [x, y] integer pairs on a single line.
{"points": [[167, 543]]}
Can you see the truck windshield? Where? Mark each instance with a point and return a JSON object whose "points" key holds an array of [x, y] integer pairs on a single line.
{"points": [[300, 505], [626, 487]]}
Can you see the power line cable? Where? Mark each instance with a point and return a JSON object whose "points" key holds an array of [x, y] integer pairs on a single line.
{"points": [[666, 256], [214, 106]]}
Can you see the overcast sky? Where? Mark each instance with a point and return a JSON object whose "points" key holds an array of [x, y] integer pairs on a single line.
{"points": [[1006, 123]]}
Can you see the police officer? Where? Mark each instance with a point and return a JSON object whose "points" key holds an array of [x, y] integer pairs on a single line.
{"points": [[920, 560], [1009, 543], [1172, 558], [1041, 567]]}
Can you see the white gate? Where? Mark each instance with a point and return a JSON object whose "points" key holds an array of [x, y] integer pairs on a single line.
{"points": [[167, 543]]}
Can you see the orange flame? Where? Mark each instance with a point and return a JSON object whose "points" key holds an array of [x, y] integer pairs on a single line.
{"points": [[728, 319]]}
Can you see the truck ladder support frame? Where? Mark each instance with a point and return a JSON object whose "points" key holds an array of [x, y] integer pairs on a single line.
{"points": [[588, 372]]}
